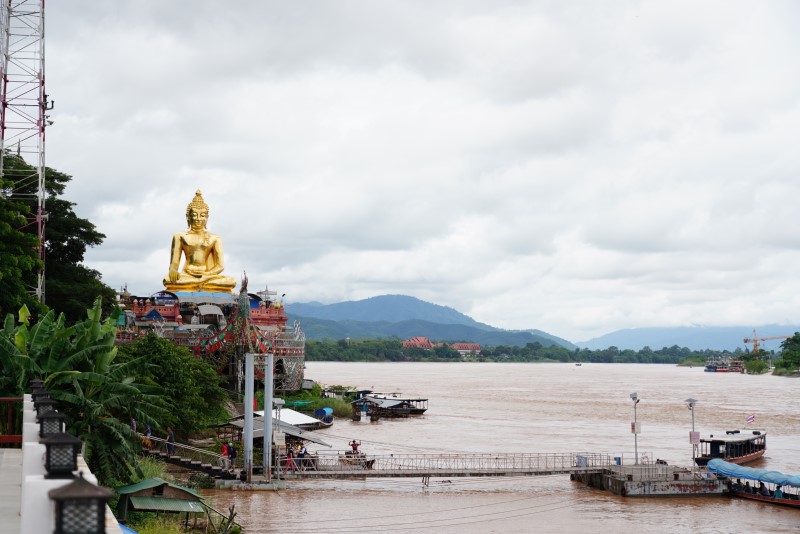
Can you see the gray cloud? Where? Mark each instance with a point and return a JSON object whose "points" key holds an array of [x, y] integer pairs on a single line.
{"points": [[573, 167]]}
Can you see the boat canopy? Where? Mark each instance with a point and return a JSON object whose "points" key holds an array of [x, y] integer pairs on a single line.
{"points": [[721, 467], [383, 403]]}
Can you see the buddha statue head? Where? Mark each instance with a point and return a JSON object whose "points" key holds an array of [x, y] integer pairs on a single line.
{"points": [[197, 212]]}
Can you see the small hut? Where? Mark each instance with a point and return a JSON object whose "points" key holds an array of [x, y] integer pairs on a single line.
{"points": [[158, 495]]}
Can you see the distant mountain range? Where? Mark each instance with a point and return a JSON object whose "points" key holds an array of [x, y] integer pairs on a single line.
{"points": [[404, 317], [693, 337]]}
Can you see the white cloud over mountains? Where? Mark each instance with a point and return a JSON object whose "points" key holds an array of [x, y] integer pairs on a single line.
{"points": [[576, 167]]}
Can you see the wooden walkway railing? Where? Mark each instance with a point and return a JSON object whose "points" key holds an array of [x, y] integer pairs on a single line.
{"points": [[11, 422]]}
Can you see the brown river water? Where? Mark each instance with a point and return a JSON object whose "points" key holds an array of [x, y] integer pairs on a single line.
{"points": [[535, 407]]}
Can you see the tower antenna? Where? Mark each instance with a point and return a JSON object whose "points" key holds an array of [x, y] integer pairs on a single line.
{"points": [[23, 109]]}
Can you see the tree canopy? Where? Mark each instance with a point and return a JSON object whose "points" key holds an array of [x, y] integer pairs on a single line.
{"points": [[193, 397], [70, 286]]}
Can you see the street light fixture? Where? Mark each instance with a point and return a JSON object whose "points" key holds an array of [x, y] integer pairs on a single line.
{"points": [[80, 507], [694, 438], [635, 427]]}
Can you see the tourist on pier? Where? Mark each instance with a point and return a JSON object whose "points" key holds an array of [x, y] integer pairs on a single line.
{"points": [[301, 455], [225, 458], [355, 444], [290, 461], [232, 455], [170, 442]]}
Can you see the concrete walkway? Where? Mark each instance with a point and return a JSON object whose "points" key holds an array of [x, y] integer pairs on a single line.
{"points": [[10, 489]]}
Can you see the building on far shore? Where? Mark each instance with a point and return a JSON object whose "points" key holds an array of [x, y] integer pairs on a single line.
{"points": [[418, 342], [465, 349]]}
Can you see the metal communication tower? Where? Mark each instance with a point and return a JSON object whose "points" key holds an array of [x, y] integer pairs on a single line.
{"points": [[23, 108]]}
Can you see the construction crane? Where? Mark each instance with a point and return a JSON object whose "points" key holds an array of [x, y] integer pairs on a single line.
{"points": [[755, 339]]}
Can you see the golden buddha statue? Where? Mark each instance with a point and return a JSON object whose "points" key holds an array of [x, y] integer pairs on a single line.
{"points": [[203, 251]]}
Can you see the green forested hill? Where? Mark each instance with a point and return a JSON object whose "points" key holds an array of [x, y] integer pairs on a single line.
{"points": [[326, 329]]}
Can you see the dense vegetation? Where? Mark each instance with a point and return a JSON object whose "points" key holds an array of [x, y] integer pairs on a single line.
{"points": [[97, 393], [70, 286], [99, 389], [789, 364], [192, 392], [392, 350]]}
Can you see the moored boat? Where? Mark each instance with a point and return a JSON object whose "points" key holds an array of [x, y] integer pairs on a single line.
{"points": [[736, 366], [768, 486], [415, 406], [735, 446], [717, 364]]}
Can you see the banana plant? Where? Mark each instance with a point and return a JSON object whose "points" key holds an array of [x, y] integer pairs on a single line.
{"points": [[97, 394]]}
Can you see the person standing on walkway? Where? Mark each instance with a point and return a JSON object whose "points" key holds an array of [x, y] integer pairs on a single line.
{"points": [[147, 434], [170, 442], [232, 455], [225, 458]]}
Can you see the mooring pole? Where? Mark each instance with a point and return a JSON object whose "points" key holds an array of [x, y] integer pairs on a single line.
{"points": [[249, 376], [269, 369]]}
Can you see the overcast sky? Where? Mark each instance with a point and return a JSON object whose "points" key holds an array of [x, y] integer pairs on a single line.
{"points": [[575, 167]]}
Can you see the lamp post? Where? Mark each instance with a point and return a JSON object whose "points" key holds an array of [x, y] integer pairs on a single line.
{"points": [[51, 423], [61, 455], [635, 427], [694, 439], [80, 507]]}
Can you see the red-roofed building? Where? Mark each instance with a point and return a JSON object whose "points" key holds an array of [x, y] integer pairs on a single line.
{"points": [[418, 342]]}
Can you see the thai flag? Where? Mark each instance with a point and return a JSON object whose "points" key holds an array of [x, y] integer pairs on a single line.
{"points": [[751, 419]]}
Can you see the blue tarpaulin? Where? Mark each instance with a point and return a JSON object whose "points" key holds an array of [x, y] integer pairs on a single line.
{"points": [[325, 415], [721, 467]]}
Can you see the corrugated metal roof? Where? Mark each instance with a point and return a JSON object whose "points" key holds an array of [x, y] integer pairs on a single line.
{"points": [[153, 483], [209, 309], [205, 297], [258, 430], [166, 505], [143, 484]]}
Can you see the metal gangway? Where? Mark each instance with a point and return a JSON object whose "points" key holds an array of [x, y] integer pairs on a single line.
{"points": [[342, 465], [193, 458]]}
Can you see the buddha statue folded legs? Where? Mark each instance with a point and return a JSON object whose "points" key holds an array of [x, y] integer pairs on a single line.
{"points": [[202, 250]]}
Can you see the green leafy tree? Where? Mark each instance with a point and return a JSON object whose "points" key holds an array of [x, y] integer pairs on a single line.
{"points": [[193, 394], [19, 258], [790, 349], [70, 286]]}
